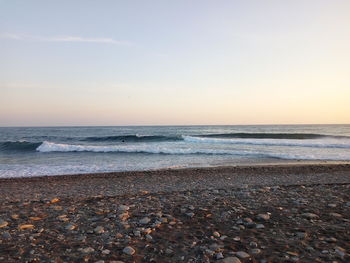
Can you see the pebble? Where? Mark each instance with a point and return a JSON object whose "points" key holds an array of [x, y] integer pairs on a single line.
{"points": [[106, 252], [86, 250], [190, 214], [3, 223], [6, 235], [219, 255], [301, 235], [99, 230], [230, 260], [309, 215], [145, 220], [123, 208], [335, 215], [216, 234], [263, 217], [259, 226], [129, 251], [149, 237], [255, 251], [70, 227], [242, 254]]}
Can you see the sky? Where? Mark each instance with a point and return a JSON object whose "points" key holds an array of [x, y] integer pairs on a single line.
{"points": [[185, 62]]}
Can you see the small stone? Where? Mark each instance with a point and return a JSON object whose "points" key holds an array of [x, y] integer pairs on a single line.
{"points": [[255, 251], [259, 226], [242, 254], [219, 255], [335, 215], [99, 230], [237, 239], [137, 233], [123, 208], [301, 235], [129, 251], [230, 260], [87, 250], [253, 244], [100, 261], [309, 215], [106, 252], [123, 216], [190, 214], [263, 217], [25, 226], [168, 251], [149, 237], [145, 220], [70, 227], [332, 205], [3, 223], [6, 235], [216, 234]]}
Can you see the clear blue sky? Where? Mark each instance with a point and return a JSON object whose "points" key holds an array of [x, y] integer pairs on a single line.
{"points": [[174, 62]]}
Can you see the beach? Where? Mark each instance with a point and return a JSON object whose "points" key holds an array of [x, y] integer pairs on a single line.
{"points": [[260, 213]]}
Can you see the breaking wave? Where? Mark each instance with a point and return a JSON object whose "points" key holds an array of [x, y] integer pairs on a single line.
{"points": [[322, 143]]}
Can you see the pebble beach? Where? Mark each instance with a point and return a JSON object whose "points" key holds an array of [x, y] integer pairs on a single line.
{"points": [[265, 213]]}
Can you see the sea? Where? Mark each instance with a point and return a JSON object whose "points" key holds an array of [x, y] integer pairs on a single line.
{"points": [[40, 151]]}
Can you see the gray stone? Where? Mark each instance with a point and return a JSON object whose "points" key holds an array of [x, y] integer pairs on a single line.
{"points": [[309, 215], [145, 220], [242, 254], [219, 255], [129, 251], [3, 223], [99, 230], [263, 217], [86, 250], [123, 208], [70, 227], [230, 260]]}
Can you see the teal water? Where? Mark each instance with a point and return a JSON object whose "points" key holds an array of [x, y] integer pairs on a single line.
{"points": [[38, 151]]}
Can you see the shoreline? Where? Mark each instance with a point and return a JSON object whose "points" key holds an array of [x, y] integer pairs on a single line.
{"points": [[172, 180]]}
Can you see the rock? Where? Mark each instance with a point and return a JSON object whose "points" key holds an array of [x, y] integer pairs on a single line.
{"points": [[259, 226], [123, 216], [309, 215], [149, 237], [253, 244], [190, 214], [106, 252], [114, 261], [216, 234], [137, 233], [230, 260], [335, 215], [219, 255], [129, 251], [332, 205], [70, 227], [263, 217], [25, 226], [301, 235], [6, 235], [100, 261], [123, 208], [168, 251], [86, 250], [145, 220], [242, 254], [3, 223], [99, 230], [255, 251]]}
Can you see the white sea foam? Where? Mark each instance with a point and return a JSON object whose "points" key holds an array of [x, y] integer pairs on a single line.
{"points": [[182, 150], [318, 143]]}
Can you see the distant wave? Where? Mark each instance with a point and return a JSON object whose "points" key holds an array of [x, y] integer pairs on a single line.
{"points": [[322, 143], [46, 147], [295, 136], [18, 146], [132, 138]]}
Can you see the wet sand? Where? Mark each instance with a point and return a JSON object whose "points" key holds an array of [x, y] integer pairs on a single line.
{"points": [[268, 213]]}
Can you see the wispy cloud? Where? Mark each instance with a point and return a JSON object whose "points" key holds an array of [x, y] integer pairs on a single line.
{"points": [[65, 39]]}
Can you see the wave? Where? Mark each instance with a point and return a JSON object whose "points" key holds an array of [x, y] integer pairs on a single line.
{"points": [[47, 147], [323, 143], [293, 136], [133, 138], [18, 146]]}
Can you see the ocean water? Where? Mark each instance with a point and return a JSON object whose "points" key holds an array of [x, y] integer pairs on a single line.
{"points": [[30, 151]]}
